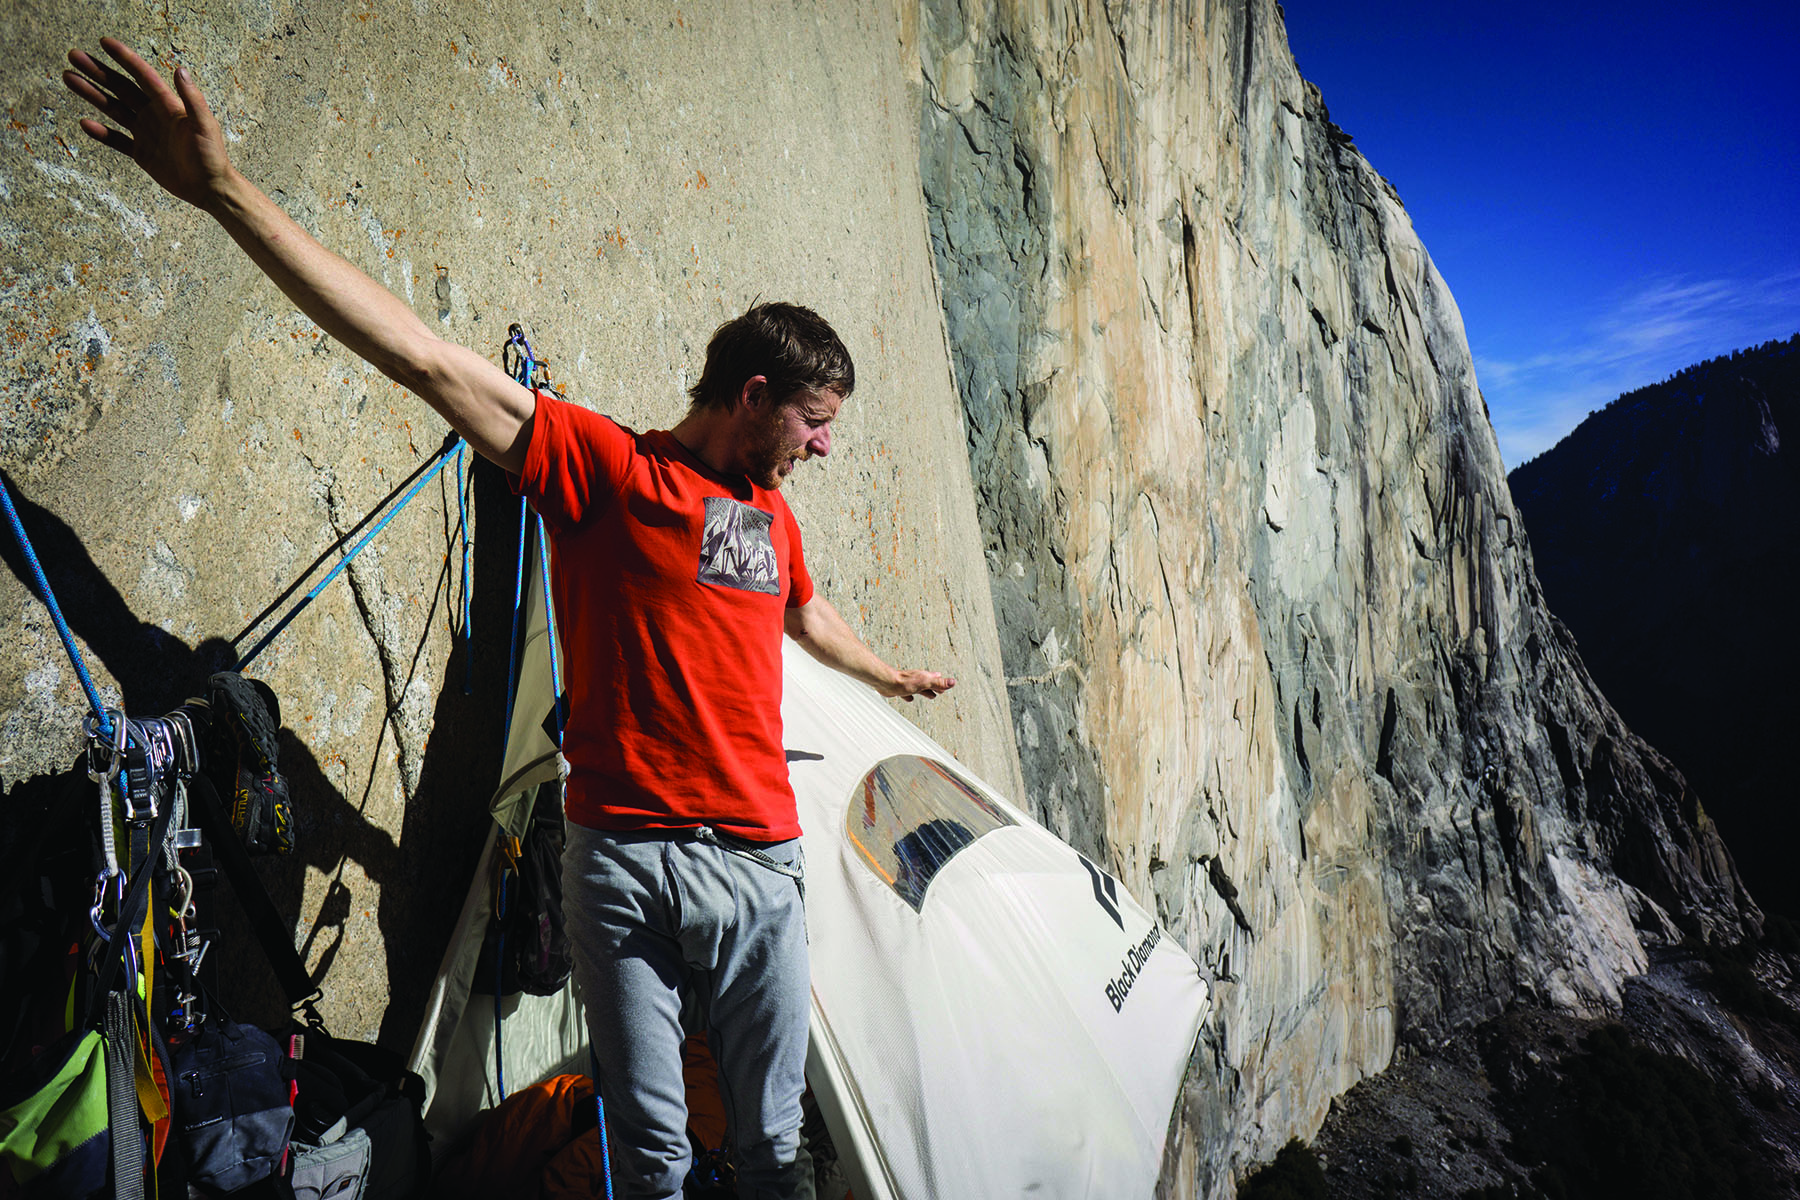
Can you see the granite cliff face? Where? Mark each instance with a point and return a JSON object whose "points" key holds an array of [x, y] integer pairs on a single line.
{"points": [[1273, 642], [1218, 528]]}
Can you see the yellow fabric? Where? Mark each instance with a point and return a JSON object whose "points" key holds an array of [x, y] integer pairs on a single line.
{"points": [[150, 1097]]}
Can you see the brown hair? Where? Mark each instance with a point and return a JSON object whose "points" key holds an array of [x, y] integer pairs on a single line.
{"points": [[791, 346]]}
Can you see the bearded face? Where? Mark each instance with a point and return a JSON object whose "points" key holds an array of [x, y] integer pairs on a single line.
{"points": [[790, 433], [773, 451]]}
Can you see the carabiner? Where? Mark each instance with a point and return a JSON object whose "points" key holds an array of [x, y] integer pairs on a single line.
{"points": [[90, 725], [187, 743], [99, 906], [184, 908]]}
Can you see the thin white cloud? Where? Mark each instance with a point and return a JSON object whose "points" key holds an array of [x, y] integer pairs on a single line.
{"points": [[1644, 336]]}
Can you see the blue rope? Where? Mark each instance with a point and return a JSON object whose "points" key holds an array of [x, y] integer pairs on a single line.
{"points": [[499, 978], [103, 721], [512, 657], [524, 363], [556, 688], [462, 501], [443, 458], [600, 1118], [525, 360], [524, 357]]}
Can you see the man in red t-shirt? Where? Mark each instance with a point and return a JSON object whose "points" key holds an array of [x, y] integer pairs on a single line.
{"points": [[676, 568], [678, 564]]}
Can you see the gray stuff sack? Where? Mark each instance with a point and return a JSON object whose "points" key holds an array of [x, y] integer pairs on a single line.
{"points": [[334, 1170]]}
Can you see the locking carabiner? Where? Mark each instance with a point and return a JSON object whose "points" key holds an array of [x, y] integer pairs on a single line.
{"points": [[90, 725]]}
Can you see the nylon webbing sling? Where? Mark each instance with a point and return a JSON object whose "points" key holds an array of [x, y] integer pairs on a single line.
{"points": [[121, 1098], [112, 1011]]}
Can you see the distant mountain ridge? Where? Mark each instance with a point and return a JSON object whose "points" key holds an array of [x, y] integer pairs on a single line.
{"points": [[1664, 534]]}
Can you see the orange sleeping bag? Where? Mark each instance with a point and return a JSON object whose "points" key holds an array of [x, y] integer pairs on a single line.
{"points": [[542, 1142]]}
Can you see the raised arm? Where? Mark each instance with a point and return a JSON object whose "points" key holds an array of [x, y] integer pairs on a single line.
{"points": [[174, 137], [826, 636]]}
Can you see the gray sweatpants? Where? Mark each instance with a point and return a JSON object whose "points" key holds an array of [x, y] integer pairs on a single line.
{"points": [[672, 935]]}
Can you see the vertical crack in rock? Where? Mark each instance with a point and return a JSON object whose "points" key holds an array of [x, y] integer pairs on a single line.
{"points": [[408, 693], [1227, 891], [1390, 724], [1306, 775], [1162, 570]]}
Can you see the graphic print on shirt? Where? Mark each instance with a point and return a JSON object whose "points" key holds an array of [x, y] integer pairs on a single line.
{"points": [[735, 550]]}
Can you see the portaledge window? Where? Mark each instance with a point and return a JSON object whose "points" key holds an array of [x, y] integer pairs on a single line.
{"points": [[910, 815]]}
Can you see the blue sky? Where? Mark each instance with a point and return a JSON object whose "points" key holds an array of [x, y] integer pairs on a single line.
{"points": [[1612, 191]]}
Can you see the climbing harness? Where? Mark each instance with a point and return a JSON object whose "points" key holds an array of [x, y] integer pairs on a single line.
{"points": [[144, 961], [149, 763]]}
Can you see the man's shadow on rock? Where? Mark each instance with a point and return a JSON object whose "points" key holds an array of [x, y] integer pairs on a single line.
{"points": [[419, 879]]}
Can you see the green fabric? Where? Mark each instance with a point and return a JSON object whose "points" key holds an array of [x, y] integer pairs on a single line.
{"points": [[68, 1109]]}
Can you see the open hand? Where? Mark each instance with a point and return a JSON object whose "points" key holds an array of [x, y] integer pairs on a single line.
{"points": [[171, 134], [908, 684]]}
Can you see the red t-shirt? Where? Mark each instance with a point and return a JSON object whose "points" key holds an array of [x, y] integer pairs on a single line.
{"points": [[671, 582]]}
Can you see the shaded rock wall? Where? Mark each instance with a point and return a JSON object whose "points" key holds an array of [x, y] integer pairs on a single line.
{"points": [[1272, 639], [1661, 530], [620, 176]]}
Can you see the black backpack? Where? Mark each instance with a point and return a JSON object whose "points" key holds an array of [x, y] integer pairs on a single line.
{"points": [[349, 1091], [229, 1095]]}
